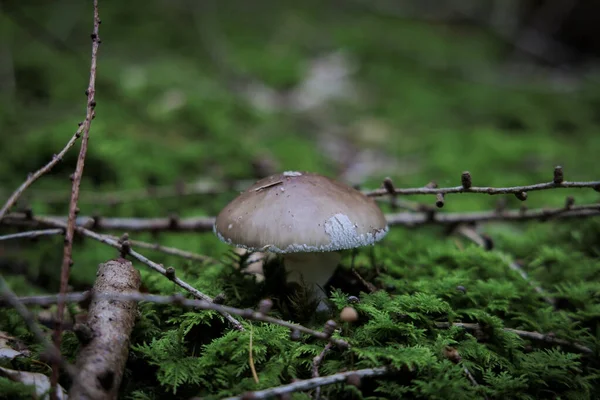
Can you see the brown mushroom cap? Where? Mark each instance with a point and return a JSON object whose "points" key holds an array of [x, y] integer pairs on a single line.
{"points": [[300, 212]]}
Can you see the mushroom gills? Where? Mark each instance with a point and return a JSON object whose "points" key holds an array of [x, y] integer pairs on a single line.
{"points": [[314, 270]]}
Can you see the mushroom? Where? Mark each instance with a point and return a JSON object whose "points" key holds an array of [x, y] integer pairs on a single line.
{"points": [[305, 217]]}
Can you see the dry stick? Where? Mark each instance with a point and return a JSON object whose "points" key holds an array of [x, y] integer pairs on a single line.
{"points": [[70, 229], [315, 368], [408, 219], [174, 251], [168, 273], [212, 187], [200, 187], [467, 188], [47, 300], [308, 384], [32, 234], [31, 178], [475, 237], [144, 245], [51, 350], [178, 299], [105, 336], [537, 336]]}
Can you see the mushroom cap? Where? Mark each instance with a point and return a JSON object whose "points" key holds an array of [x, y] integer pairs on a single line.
{"points": [[297, 212]]}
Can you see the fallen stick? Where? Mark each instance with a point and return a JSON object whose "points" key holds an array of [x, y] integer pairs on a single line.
{"points": [[105, 335]]}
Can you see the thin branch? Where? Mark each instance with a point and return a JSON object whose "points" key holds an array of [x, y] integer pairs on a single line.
{"points": [[126, 250], [77, 175], [137, 243], [52, 351], [536, 336], [32, 234], [315, 368], [408, 219], [308, 384], [173, 251], [542, 214], [46, 300], [178, 189], [467, 188], [211, 187], [31, 178]]}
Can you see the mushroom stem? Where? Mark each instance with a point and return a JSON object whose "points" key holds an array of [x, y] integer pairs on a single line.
{"points": [[312, 269]]}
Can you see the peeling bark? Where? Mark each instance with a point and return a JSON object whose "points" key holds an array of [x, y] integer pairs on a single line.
{"points": [[105, 335]]}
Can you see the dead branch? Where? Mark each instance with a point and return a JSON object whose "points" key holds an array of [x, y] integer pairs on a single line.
{"points": [[31, 178], [308, 384], [178, 189], [408, 219], [173, 251], [46, 300], [105, 335], [536, 336], [76, 178], [211, 187], [541, 214], [126, 250], [137, 243], [466, 187], [32, 234], [52, 352]]}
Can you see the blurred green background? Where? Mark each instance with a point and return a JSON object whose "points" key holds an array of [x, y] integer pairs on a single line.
{"points": [[217, 91], [227, 90]]}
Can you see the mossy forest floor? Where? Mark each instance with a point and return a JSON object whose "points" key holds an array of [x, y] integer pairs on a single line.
{"points": [[429, 105]]}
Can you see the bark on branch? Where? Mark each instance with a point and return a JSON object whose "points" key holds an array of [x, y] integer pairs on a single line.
{"points": [[105, 335]]}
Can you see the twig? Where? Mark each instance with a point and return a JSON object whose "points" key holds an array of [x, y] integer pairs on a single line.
{"points": [[180, 300], [408, 219], [31, 178], [173, 251], [106, 334], [200, 187], [315, 369], [73, 210], [537, 336], [209, 187], [32, 234], [308, 384], [51, 350], [137, 243], [466, 187], [542, 214], [168, 273]]}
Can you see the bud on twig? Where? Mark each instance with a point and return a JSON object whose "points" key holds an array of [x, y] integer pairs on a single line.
{"points": [[466, 180], [170, 273], [569, 202], [439, 200], [521, 196], [558, 175]]}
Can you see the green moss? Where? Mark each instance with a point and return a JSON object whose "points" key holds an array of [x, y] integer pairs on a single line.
{"points": [[169, 110]]}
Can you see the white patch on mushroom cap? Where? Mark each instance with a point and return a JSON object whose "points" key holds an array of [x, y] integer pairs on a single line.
{"points": [[340, 230], [292, 173]]}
